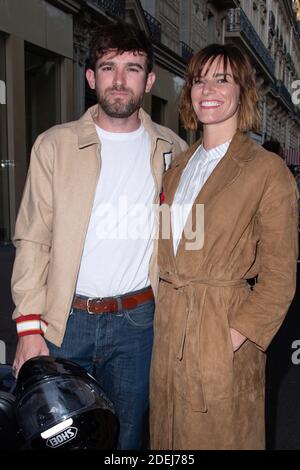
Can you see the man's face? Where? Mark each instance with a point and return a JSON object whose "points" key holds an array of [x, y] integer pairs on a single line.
{"points": [[120, 82]]}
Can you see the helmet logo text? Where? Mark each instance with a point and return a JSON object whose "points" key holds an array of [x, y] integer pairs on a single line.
{"points": [[62, 437]]}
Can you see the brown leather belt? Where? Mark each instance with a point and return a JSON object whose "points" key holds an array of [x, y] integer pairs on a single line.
{"points": [[112, 304]]}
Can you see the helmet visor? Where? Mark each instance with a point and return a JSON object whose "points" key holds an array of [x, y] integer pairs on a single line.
{"points": [[54, 401]]}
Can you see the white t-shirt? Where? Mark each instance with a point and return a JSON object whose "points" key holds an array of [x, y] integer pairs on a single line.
{"points": [[119, 240], [195, 174]]}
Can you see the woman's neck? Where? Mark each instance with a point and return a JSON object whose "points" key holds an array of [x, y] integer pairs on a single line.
{"points": [[214, 135]]}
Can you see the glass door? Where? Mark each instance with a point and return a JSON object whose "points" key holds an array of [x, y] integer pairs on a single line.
{"points": [[42, 85], [4, 162]]}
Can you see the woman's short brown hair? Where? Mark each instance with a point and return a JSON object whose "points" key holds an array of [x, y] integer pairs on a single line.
{"points": [[243, 75]]}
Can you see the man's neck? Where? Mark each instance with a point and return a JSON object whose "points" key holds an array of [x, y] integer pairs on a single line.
{"points": [[113, 124]]}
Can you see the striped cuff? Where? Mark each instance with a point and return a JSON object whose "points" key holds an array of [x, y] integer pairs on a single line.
{"points": [[31, 325]]}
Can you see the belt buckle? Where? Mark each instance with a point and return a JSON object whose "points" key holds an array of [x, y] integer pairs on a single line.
{"points": [[88, 304]]}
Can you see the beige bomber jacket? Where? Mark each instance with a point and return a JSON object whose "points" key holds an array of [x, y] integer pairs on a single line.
{"points": [[54, 215]]}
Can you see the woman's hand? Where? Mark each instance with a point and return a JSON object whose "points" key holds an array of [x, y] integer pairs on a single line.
{"points": [[237, 339]]}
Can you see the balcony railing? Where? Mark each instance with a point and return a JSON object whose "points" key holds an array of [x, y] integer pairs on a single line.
{"points": [[154, 26], [222, 4], [284, 93], [279, 89], [186, 51], [113, 7], [237, 21]]}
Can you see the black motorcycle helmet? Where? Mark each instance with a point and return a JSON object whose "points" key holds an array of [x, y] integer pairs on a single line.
{"points": [[59, 405], [10, 436]]}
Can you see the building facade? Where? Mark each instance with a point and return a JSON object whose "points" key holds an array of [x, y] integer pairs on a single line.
{"points": [[36, 73], [43, 51], [268, 30]]}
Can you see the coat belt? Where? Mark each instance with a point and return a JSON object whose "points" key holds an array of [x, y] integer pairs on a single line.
{"points": [[178, 282], [198, 401]]}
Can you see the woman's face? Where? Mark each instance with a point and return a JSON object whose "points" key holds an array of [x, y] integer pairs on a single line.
{"points": [[215, 95]]}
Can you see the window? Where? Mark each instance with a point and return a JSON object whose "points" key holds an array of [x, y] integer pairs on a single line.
{"points": [[211, 28], [4, 163], [42, 88], [158, 110]]}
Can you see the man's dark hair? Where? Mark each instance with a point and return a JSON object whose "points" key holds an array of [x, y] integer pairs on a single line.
{"points": [[121, 37]]}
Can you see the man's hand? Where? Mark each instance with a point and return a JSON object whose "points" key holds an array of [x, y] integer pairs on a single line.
{"points": [[237, 339], [29, 346]]}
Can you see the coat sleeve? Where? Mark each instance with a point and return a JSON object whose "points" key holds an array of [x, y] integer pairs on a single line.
{"points": [[33, 235], [261, 314]]}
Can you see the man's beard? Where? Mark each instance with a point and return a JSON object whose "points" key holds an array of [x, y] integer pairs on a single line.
{"points": [[119, 108]]}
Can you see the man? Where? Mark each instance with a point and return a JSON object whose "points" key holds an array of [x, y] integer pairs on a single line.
{"points": [[83, 281]]}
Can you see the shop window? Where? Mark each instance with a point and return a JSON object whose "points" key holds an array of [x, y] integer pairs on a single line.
{"points": [[4, 162], [158, 110], [43, 89]]}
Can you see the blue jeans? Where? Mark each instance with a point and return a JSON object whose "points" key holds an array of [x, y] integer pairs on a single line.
{"points": [[116, 348]]}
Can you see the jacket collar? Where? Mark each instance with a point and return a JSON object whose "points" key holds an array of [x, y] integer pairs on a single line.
{"points": [[241, 150], [86, 130], [152, 128], [87, 134]]}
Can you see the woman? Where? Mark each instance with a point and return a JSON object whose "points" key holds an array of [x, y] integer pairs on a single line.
{"points": [[211, 328]]}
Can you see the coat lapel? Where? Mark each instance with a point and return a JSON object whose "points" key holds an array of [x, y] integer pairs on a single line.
{"points": [[173, 175], [227, 170], [170, 184], [224, 175]]}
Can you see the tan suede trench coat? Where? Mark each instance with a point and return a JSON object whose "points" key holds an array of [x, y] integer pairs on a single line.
{"points": [[203, 395]]}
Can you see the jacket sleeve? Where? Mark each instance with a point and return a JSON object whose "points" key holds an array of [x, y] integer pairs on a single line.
{"points": [[33, 235], [261, 314]]}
